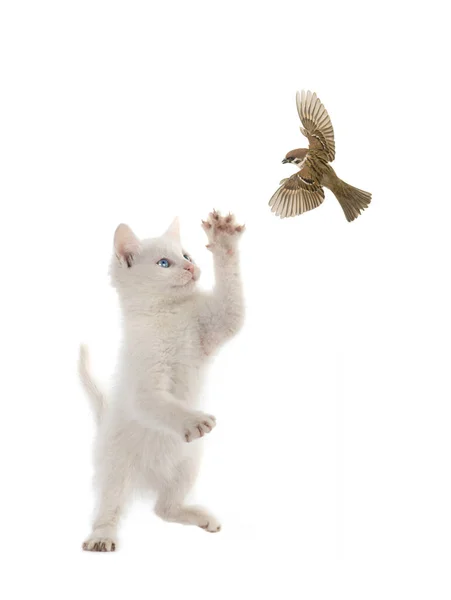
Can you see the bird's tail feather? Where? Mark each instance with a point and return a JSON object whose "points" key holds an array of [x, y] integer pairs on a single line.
{"points": [[96, 397], [352, 200]]}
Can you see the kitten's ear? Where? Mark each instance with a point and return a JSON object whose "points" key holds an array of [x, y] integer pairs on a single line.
{"points": [[126, 244], [174, 230]]}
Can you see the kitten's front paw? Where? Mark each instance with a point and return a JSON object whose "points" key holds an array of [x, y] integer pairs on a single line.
{"points": [[99, 544], [211, 525], [198, 425], [222, 232], [204, 519]]}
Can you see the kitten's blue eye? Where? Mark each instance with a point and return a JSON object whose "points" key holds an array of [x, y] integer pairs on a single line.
{"points": [[186, 257], [163, 262]]}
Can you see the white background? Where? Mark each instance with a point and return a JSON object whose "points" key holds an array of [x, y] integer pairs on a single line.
{"points": [[330, 465]]}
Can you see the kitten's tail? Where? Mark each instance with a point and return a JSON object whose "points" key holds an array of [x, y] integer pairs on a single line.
{"points": [[96, 397]]}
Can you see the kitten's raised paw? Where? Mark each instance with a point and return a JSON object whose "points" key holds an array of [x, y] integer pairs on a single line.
{"points": [[221, 231], [212, 526], [198, 425], [197, 515], [99, 544]]}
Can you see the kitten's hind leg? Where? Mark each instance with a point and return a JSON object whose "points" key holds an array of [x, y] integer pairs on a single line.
{"points": [[113, 494], [170, 502]]}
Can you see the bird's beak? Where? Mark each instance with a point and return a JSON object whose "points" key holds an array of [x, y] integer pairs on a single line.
{"points": [[286, 160]]}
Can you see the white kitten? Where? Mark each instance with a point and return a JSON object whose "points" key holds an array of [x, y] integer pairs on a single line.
{"points": [[169, 330]]}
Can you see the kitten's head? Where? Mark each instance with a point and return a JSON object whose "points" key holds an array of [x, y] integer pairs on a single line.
{"points": [[157, 266]]}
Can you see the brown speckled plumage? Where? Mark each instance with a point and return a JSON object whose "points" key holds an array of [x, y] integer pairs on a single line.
{"points": [[304, 191]]}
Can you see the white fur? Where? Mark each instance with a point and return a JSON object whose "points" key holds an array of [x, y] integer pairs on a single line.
{"points": [[148, 429]]}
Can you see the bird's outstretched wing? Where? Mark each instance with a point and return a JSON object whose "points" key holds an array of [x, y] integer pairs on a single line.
{"points": [[295, 197], [317, 126]]}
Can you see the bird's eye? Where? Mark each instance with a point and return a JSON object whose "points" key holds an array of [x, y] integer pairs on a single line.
{"points": [[163, 262], [186, 257]]}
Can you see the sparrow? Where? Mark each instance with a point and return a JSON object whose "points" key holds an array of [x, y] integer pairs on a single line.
{"points": [[304, 191]]}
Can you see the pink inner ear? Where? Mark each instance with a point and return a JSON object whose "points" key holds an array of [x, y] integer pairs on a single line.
{"points": [[125, 241], [173, 230]]}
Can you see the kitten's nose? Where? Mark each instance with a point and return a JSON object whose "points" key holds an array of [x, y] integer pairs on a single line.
{"points": [[189, 267]]}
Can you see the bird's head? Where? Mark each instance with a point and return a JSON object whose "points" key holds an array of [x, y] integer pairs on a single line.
{"points": [[295, 156]]}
